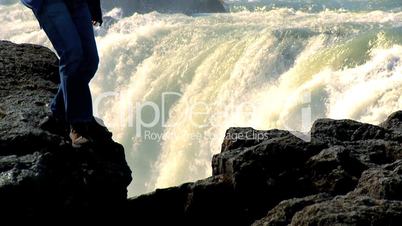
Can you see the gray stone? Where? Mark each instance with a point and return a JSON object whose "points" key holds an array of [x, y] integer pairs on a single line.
{"points": [[393, 122], [343, 210], [283, 213], [384, 182]]}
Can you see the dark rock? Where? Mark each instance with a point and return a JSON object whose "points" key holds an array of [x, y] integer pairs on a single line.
{"points": [[375, 152], [24, 65], [283, 213], [334, 170], [2, 113], [321, 209], [236, 141], [384, 182], [205, 202], [63, 181], [267, 173], [41, 175], [263, 168], [248, 181], [343, 210], [393, 122], [246, 137], [349, 174], [334, 132]]}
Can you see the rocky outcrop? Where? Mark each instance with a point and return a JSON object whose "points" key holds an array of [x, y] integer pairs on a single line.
{"points": [[166, 6], [205, 202], [356, 210], [282, 214], [348, 174], [382, 182], [41, 176]]}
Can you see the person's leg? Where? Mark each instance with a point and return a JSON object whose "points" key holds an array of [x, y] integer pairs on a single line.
{"points": [[57, 105], [57, 22], [82, 19]]}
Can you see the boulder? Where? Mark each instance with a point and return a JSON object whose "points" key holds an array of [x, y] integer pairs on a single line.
{"points": [[333, 132], [334, 170], [357, 210], [383, 182], [348, 174], [206, 202], [41, 176], [283, 213], [393, 122]]}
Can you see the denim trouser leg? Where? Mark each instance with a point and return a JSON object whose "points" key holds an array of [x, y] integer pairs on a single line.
{"points": [[71, 33]]}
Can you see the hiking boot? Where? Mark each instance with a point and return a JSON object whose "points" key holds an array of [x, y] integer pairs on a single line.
{"points": [[98, 130], [54, 125], [78, 137], [89, 132]]}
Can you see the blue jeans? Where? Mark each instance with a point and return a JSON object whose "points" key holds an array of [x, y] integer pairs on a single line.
{"points": [[71, 33]]}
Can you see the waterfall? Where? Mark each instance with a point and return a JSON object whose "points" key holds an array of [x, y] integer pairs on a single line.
{"points": [[169, 85]]}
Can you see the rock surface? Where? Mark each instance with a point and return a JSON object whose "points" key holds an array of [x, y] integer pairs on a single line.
{"points": [[282, 214], [349, 173], [356, 210], [40, 174]]}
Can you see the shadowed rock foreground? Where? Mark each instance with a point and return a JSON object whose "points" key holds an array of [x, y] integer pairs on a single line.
{"points": [[350, 173], [41, 176]]}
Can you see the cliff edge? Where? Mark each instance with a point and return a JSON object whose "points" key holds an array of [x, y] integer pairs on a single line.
{"points": [[41, 175], [350, 173]]}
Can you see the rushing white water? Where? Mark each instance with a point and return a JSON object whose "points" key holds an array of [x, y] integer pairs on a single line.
{"points": [[269, 68]]}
